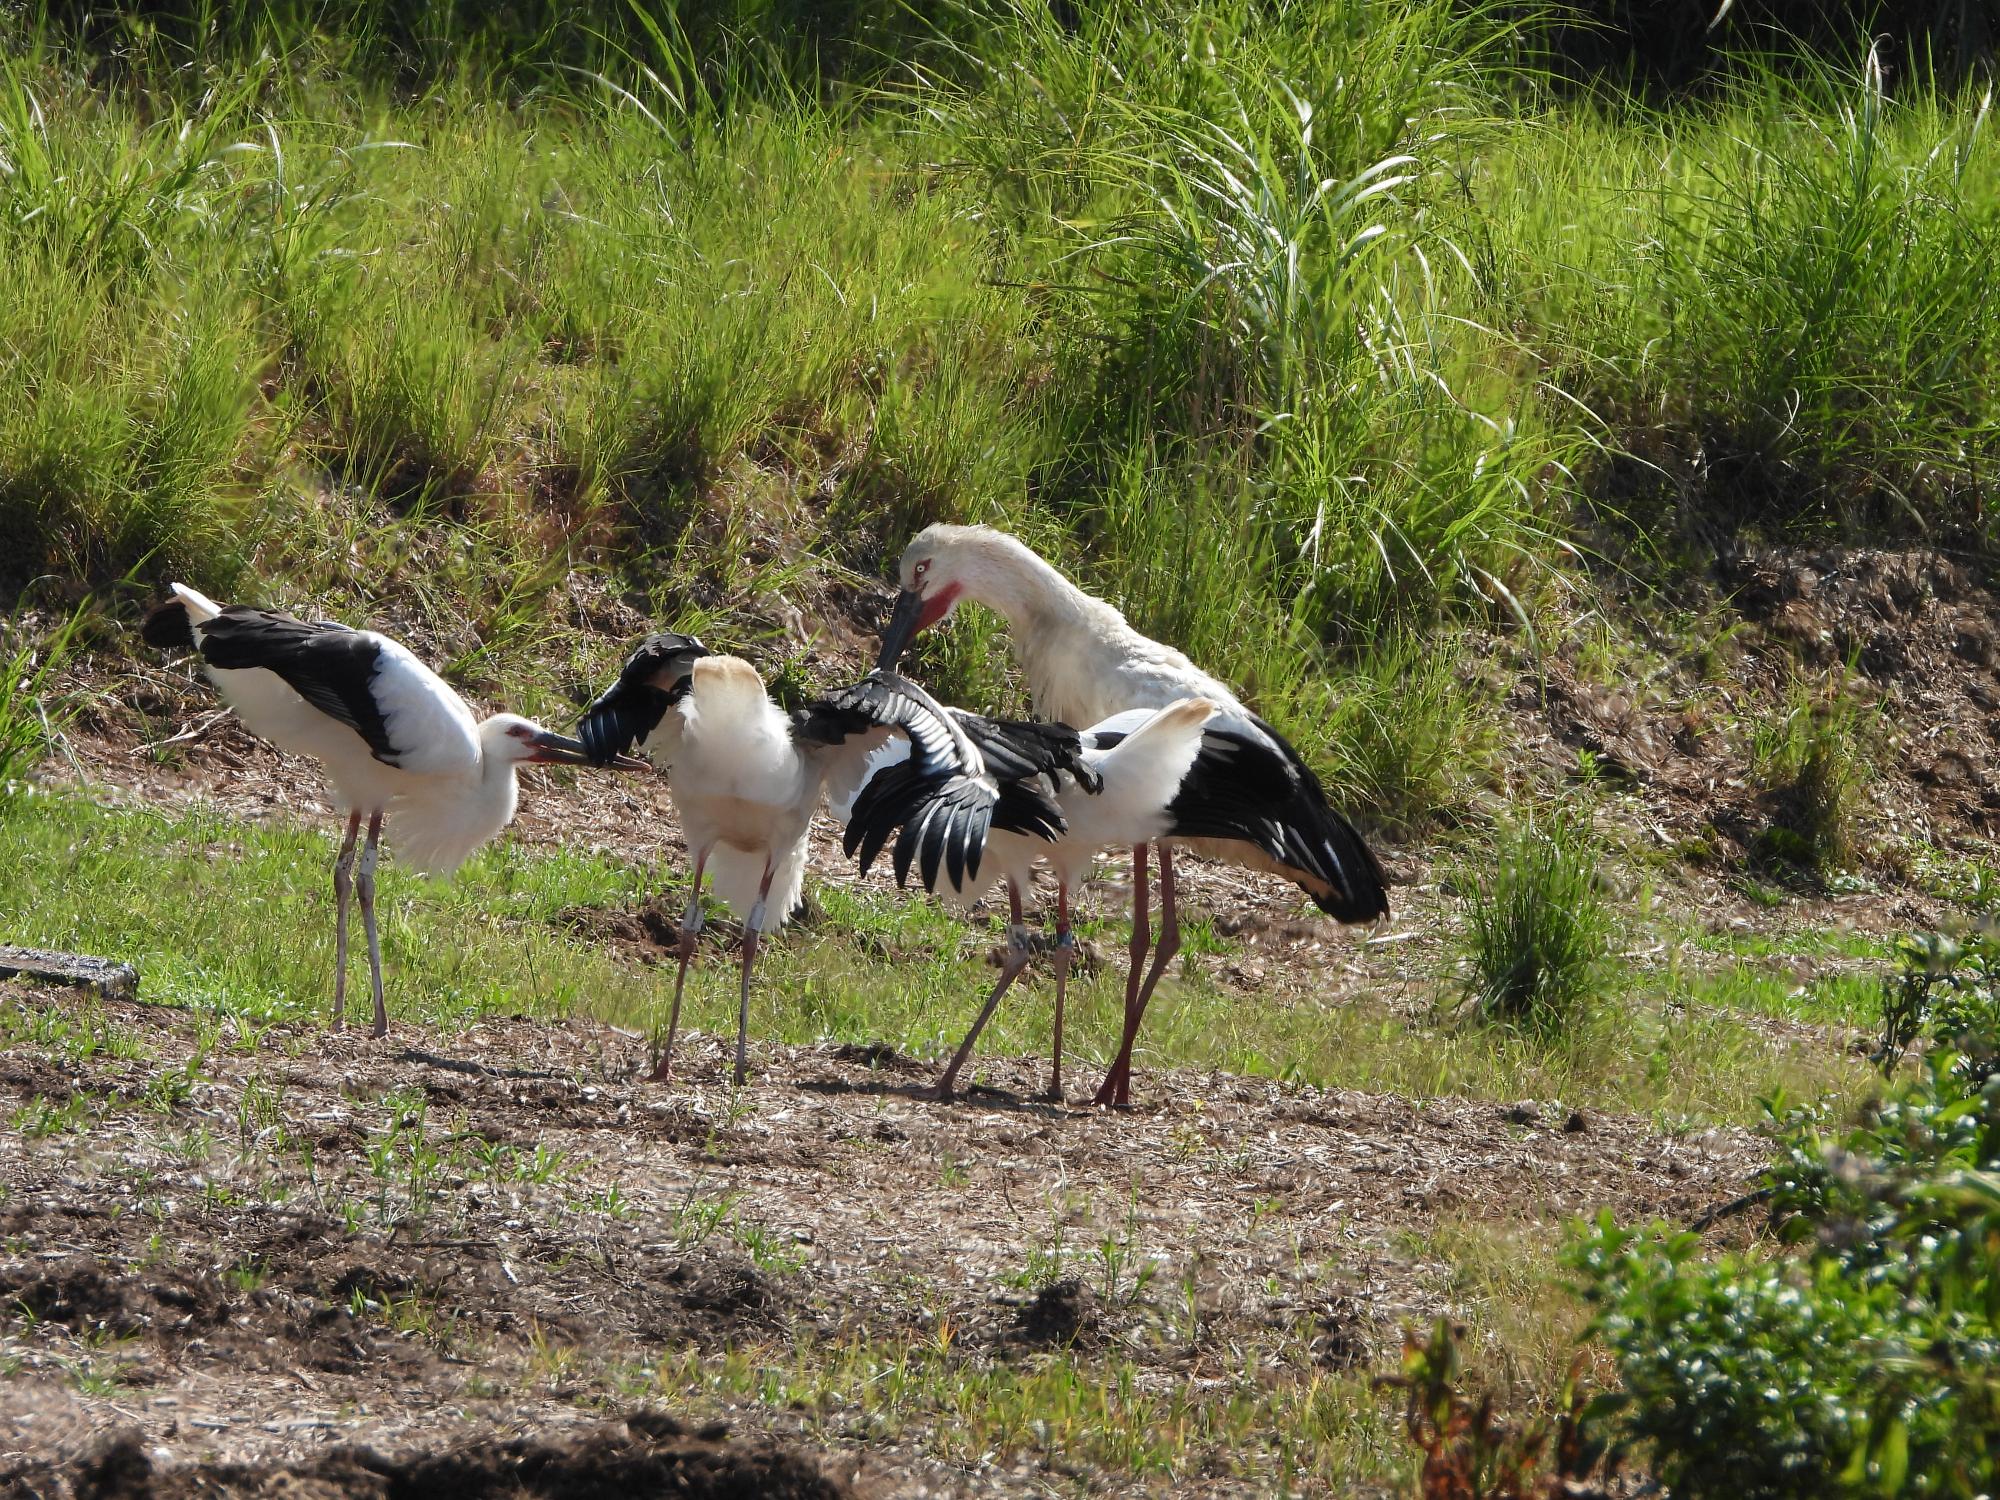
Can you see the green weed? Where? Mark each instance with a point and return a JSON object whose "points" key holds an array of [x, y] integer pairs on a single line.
{"points": [[1538, 929]]}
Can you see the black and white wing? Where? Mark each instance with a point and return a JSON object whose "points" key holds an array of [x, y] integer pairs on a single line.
{"points": [[1249, 786], [321, 674], [941, 801], [331, 667], [633, 710], [1024, 749]]}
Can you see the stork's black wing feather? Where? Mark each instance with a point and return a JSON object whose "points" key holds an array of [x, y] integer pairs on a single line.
{"points": [[882, 700], [964, 777], [1256, 788], [330, 666], [655, 677], [1019, 749]]}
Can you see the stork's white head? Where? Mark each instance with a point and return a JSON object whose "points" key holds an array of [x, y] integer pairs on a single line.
{"points": [[945, 564], [510, 740]]}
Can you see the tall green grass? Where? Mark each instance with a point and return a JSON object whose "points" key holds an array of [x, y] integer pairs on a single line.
{"points": [[1298, 330]]}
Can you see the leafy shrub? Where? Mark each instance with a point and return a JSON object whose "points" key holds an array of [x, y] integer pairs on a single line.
{"points": [[1945, 991], [1540, 933], [1865, 1367]]}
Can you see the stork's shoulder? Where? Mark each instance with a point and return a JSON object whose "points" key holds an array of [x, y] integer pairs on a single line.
{"points": [[430, 727]]}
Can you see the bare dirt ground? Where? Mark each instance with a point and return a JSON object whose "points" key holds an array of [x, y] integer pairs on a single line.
{"points": [[430, 1246]]}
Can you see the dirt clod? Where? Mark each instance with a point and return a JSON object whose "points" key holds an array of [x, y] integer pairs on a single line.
{"points": [[86, 1297]]}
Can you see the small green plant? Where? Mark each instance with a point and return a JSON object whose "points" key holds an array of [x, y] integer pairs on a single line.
{"points": [[1539, 932], [29, 722], [770, 1250], [1810, 764], [41, 1116], [697, 1217]]}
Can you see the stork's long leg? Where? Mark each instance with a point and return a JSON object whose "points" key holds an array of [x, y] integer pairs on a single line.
{"points": [[1142, 936], [1065, 950], [364, 887], [343, 885], [690, 930], [1010, 970], [1117, 1086], [750, 930]]}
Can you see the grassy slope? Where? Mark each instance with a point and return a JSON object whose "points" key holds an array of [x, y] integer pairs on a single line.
{"points": [[1287, 384]]}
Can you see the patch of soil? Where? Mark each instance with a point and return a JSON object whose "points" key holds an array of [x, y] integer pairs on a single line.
{"points": [[646, 1454], [542, 1256], [85, 1296]]}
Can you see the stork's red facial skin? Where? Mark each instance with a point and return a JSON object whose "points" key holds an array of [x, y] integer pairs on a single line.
{"points": [[938, 605]]}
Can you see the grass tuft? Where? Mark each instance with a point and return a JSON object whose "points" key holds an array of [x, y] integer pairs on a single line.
{"points": [[1811, 764], [1539, 932]]}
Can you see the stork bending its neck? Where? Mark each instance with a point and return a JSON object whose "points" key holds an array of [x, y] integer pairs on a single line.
{"points": [[1250, 798]]}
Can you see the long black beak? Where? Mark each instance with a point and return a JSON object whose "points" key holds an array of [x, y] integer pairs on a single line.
{"points": [[560, 750], [901, 627]]}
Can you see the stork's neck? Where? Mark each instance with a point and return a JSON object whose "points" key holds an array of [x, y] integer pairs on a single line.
{"points": [[1035, 599], [1058, 631]]}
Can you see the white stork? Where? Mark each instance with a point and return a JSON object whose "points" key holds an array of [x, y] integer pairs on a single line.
{"points": [[393, 737], [746, 777], [1251, 799], [1116, 789]]}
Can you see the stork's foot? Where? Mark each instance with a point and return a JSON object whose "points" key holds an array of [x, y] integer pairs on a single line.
{"points": [[1052, 1095], [379, 1030], [662, 1073], [938, 1093]]}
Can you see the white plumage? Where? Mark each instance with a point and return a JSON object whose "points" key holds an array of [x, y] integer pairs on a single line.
{"points": [[1251, 799], [745, 778], [393, 737]]}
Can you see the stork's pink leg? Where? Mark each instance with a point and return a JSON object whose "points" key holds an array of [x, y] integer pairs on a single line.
{"points": [[1010, 970], [749, 957], [1065, 950], [1163, 953], [1118, 1081], [690, 930], [343, 885], [364, 887], [1142, 936]]}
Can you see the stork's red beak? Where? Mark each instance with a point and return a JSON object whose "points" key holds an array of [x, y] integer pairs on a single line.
{"points": [[913, 615]]}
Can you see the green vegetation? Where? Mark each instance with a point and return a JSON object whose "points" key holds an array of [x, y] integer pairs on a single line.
{"points": [[511, 933], [1812, 767], [1296, 333], [1538, 930], [1376, 352], [1863, 1367], [30, 714]]}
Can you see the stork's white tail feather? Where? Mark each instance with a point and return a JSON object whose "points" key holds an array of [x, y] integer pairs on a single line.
{"points": [[200, 608], [1142, 772]]}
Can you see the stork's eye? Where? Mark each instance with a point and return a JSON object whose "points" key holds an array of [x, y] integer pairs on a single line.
{"points": [[923, 567]]}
